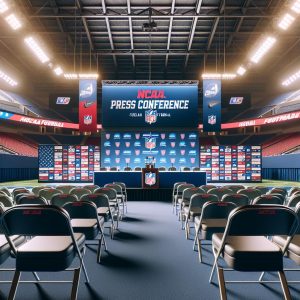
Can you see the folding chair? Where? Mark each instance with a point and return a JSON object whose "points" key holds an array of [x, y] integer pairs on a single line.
{"points": [[213, 219], [31, 199], [61, 199], [18, 191], [6, 191], [263, 189], [268, 199], [53, 247], [207, 187], [235, 188], [293, 200], [6, 201], [174, 192], [244, 245], [120, 195], [237, 199], [84, 219], [178, 196], [277, 190], [195, 209], [49, 193], [250, 193], [80, 192], [124, 191], [65, 189], [220, 192], [92, 187], [103, 208], [172, 169], [161, 169], [35, 190], [293, 191], [128, 169]]}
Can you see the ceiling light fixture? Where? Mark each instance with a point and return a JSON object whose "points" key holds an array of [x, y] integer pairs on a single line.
{"points": [[7, 79], [296, 7], [224, 76], [291, 79], [71, 76], [36, 49], [74, 76], [241, 70], [58, 70], [13, 21], [3, 6], [286, 21], [265, 46]]}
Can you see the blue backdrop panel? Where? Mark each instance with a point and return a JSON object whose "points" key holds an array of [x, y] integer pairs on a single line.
{"points": [[131, 148], [282, 161], [150, 106]]}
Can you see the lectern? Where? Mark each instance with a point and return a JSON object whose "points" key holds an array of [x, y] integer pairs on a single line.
{"points": [[150, 178]]}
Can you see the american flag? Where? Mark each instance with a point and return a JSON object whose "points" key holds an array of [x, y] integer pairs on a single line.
{"points": [[46, 156]]}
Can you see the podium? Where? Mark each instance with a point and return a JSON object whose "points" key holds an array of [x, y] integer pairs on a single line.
{"points": [[150, 178]]}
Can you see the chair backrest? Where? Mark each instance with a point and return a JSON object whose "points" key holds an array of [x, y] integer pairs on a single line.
{"points": [[267, 199], [113, 169], [65, 189], [184, 186], [81, 210], [176, 185], [162, 169], [196, 169], [294, 190], [6, 201], [263, 189], [18, 191], [172, 169], [35, 190], [294, 200], [6, 191], [137, 169], [100, 200], [235, 188], [116, 187], [36, 220], [251, 193], [21, 195], [217, 210], [189, 192], [61, 199], [220, 192], [207, 187], [111, 193], [79, 192], [186, 169], [121, 184], [280, 191], [237, 199], [103, 169], [49, 193], [258, 220], [91, 187], [31, 199], [127, 169], [198, 200]]}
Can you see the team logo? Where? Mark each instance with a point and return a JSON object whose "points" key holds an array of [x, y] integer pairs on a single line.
{"points": [[127, 144], [151, 116], [127, 160], [212, 104], [193, 159], [137, 136], [150, 143], [212, 119], [137, 151], [117, 144], [163, 152], [193, 144], [182, 152], [211, 90], [172, 160], [107, 136], [163, 136], [107, 152], [117, 152], [87, 119], [173, 144], [150, 178], [63, 100], [117, 160], [88, 104], [236, 100], [87, 91], [182, 136]]}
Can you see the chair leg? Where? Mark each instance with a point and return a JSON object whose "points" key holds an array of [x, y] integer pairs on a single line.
{"points": [[199, 249], [99, 250], [222, 287], [36, 276], [75, 283], [187, 228], [261, 276], [82, 265], [14, 285], [284, 286]]}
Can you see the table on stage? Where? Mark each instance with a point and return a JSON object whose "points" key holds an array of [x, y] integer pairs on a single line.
{"points": [[133, 179]]}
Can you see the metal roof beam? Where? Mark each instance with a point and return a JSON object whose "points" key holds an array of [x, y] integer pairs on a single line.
{"points": [[170, 32], [130, 32]]}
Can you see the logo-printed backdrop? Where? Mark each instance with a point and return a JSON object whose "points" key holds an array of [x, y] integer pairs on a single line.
{"points": [[121, 149]]}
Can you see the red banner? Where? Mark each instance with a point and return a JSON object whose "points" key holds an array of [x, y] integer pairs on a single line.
{"points": [[88, 105]]}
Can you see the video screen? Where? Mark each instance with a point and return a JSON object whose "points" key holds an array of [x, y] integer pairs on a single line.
{"points": [[231, 163], [177, 149], [68, 163], [63, 101]]}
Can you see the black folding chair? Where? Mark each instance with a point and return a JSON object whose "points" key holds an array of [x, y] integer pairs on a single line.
{"points": [[268, 199], [54, 245], [124, 191], [244, 245], [293, 200], [174, 192], [61, 199], [6, 200], [84, 219], [237, 199], [31, 199]]}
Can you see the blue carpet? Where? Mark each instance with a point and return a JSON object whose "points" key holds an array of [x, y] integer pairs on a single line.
{"points": [[149, 259]]}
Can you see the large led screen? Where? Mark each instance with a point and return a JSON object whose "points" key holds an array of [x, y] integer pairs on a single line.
{"points": [[231, 163], [178, 149], [150, 105], [68, 163]]}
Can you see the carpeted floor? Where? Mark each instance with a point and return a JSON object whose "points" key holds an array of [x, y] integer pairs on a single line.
{"points": [[149, 259]]}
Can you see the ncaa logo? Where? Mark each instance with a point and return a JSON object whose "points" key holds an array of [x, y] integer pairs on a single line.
{"points": [[150, 116], [212, 119], [87, 119]]}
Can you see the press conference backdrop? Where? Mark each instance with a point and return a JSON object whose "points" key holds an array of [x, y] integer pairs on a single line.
{"points": [[68, 163], [121, 149], [150, 106], [231, 163]]}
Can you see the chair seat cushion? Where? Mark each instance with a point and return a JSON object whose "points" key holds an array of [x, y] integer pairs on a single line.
{"points": [[5, 247], [48, 253], [211, 226], [293, 248], [250, 253], [88, 227]]}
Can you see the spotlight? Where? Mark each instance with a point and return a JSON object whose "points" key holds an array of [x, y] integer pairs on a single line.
{"points": [[7, 79], [13, 22], [224, 76], [296, 7], [291, 79], [3, 6], [58, 70], [286, 21], [265, 46], [36, 49], [241, 71]]}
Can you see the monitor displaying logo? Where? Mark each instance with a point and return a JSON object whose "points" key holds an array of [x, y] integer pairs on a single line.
{"points": [[150, 178], [236, 100], [150, 116], [63, 100], [212, 119], [87, 119], [150, 143]]}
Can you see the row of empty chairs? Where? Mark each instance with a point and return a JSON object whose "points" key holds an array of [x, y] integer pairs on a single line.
{"points": [[47, 229], [251, 229]]}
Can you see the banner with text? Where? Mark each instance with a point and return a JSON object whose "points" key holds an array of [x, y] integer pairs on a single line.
{"points": [[212, 105], [88, 105], [150, 105]]}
